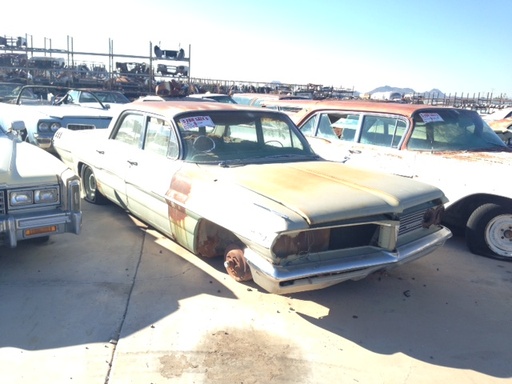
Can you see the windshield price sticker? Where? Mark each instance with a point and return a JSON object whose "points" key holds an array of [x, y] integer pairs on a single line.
{"points": [[431, 117], [196, 121]]}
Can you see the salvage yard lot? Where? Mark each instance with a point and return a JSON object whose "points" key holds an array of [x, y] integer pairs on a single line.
{"points": [[122, 304]]}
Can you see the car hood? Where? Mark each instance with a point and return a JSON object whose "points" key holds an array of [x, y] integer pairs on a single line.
{"points": [[15, 170], [478, 157], [65, 110], [376, 155], [322, 191], [500, 126]]}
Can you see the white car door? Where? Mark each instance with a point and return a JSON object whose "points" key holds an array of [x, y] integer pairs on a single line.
{"points": [[118, 155], [151, 170]]}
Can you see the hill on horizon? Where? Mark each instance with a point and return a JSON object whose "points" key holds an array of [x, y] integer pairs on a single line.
{"points": [[403, 91]]}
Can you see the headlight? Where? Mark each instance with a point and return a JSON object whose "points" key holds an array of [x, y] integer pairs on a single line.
{"points": [[19, 198], [55, 126], [304, 242], [43, 127], [46, 196], [49, 195]]}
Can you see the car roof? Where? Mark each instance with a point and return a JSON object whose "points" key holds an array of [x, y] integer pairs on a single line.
{"points": [[357, 106], [93, 90], [179, 106], [207, 94], [270, 96]]}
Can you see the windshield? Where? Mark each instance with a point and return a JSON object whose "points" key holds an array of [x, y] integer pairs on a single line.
{"points": [[9, 92], [225, 136], [40, 94], [452, 130], [105, 97]]}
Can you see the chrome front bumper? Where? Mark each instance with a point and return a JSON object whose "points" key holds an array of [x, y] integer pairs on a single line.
{"points": [[321, 274], [16, 228], [43, 142]]}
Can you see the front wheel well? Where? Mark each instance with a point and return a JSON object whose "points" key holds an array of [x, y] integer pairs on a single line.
{"points": [[457, 214], [212, 239]]}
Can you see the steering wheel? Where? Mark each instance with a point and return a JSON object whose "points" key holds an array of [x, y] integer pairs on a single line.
{"points": [[274, 142]]}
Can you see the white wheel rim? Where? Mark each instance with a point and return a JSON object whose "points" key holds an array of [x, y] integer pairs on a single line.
{"points": [[498, 235]]}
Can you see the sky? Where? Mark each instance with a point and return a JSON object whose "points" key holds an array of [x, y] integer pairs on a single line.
{"points": [[457, 46]]}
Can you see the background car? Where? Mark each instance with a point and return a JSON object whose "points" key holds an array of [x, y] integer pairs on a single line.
{"points": [[220, 97], [39, 195], [9, 91], [93, 98], [258, 99], [44, 112], [243, 183], [451, 148], [501, 122]]}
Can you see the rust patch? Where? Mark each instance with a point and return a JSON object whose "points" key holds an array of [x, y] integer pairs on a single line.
{"points": [[239, 356], [502, 125], [179, 190], [208, 247], [212, 240], [475, 156]]}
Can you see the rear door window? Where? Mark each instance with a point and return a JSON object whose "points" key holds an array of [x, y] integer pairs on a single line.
{"points": [[332, 126], [383, 131]]}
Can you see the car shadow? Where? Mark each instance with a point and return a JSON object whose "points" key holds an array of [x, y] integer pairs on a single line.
{"points": [[454, 314], [76, 290]]}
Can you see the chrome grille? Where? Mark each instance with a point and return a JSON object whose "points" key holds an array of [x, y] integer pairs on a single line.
{"points": [[411, 221], [79, 127], [2, 203]]}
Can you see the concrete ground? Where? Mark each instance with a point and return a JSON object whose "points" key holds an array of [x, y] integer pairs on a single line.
{"points": [[121, 304]]}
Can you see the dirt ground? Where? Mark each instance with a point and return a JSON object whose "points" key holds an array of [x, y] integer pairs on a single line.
{"points": [[122, 304]]}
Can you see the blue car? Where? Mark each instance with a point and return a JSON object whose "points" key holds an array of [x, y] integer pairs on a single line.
{"points": [[45, 109]]}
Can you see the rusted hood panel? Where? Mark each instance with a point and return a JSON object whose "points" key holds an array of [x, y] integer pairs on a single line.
{"points": [[501, 126], [457, 174], [488, 158], [326, 191]]}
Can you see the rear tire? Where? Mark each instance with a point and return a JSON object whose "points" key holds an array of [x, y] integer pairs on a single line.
{"points": [[91, 193], [489, 232]]}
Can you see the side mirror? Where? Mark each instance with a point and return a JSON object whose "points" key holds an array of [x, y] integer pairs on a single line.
{"points": [[17, 125]]}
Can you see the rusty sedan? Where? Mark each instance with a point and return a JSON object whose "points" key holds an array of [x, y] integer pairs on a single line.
{"points": [[242, 183], [451, 148]]}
